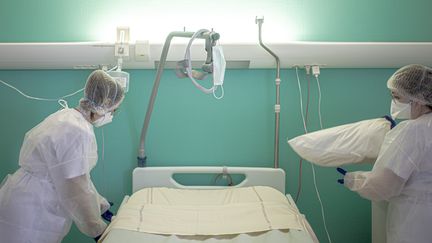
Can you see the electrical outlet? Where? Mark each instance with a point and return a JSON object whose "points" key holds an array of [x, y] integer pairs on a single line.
{"points": [[142, 51], [316, 70]]}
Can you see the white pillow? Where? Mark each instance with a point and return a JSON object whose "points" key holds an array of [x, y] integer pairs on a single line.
{"points": [[347, 144]]}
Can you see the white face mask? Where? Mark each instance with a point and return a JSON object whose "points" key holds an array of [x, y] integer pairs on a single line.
{"points": [[219, 66], [105, 119], [400, 110]]}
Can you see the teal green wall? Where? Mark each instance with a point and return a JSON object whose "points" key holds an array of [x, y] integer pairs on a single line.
{"points": [[190, 128]]}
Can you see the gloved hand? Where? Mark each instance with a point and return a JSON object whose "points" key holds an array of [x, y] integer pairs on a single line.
{"points": [[343, 172], [107, 215], [97, 238], [390, 119], [104, 204]]}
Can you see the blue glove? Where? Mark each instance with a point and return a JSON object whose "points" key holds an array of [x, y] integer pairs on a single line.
{"points": [[343, 172], [107, 215], [340, 170], [392, 122], [97, 238]]}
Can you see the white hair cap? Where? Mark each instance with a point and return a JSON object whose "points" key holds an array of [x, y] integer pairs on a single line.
{"points": [[101, 94], [413, 82]]}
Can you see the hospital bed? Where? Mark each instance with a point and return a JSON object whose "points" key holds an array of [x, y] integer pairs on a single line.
{"points": [[152, 184]]}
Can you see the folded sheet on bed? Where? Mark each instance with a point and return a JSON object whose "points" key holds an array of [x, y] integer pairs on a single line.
{"points": [[207, 212]]}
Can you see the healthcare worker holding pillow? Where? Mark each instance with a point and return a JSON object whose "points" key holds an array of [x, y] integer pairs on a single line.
{"points": [[402, 174], [52, 188]]}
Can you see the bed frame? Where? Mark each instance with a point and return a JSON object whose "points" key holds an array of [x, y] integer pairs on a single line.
{"points": [[147, 177], [144, 177]]}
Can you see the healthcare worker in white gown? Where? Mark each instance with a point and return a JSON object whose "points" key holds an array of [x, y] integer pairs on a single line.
{"points": [[402, 174], [52, 188]]}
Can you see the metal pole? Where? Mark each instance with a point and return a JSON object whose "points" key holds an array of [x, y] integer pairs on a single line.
{"points": [[260, 21], [141, 151]]}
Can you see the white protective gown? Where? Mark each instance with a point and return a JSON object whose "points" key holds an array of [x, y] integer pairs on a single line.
{"points": [[402, 175], [53, 188]]}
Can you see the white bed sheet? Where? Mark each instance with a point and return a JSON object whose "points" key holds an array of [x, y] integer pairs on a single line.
{"points": [[273, 236], [150, 177]]}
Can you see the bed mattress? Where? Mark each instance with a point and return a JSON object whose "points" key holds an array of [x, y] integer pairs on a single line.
{"points": [[249, 214], [273, 236]]}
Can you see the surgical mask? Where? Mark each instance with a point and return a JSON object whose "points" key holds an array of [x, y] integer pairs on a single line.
{"points": [[400, 110], [105, 119], [219, 66]]}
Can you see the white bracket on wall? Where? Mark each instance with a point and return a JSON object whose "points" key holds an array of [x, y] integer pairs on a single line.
{"points": [[122, 42]]}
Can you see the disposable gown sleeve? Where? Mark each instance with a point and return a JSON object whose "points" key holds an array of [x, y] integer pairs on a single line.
{"points": [[104, 205], [399, 157], [405, 150], [82, 204], [71, 179], [375, 185]]}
